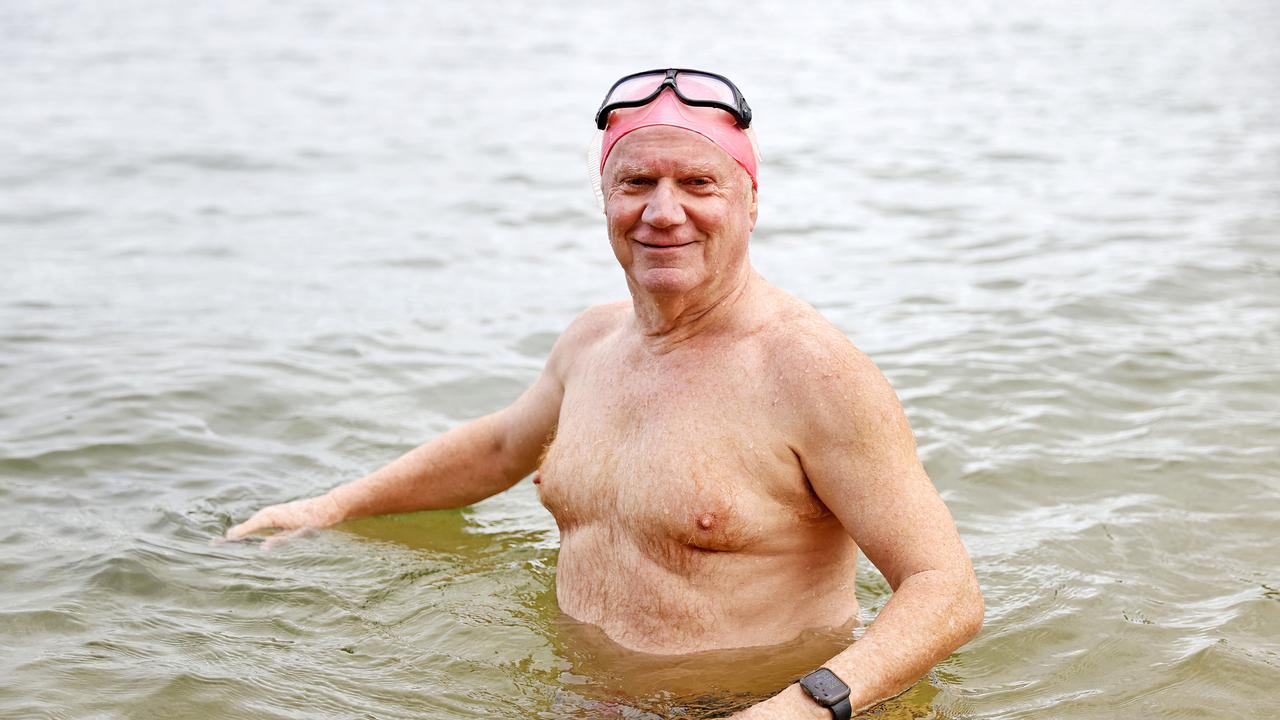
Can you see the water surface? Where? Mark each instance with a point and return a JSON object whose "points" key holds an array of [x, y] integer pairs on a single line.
{"points": [[253, 250]]}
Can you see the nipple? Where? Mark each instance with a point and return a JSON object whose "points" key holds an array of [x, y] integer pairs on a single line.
{"points": [[537, 479], [706, 520]]}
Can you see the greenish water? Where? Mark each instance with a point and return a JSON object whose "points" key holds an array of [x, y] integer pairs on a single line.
{"points": [[254, 250]]}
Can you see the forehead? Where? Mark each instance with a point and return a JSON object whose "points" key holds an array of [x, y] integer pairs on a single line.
{"points": [[666, 148]]}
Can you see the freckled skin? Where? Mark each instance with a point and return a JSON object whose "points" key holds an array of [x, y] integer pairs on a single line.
{"points": [[714, 452]]}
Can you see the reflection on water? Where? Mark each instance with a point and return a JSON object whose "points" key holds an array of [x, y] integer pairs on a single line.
{"points": [[253, 250]]}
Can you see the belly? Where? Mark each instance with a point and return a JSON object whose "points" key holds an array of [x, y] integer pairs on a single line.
{"points": [[670, 597]]}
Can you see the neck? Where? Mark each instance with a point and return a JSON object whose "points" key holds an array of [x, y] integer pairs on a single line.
{"points": [[667, 321]]}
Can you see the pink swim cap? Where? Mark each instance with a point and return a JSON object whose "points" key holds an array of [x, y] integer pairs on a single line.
{"points": [[715, 125]]}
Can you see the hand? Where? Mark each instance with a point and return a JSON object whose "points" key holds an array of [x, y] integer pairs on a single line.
{"points": [[317, 512]]}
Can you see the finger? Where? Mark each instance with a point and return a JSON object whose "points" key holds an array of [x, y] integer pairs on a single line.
{"points": [[223, 540], [281, 538], [239, 532], [261, 520]]}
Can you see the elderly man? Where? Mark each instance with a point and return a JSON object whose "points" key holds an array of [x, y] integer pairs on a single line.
{"points": [[714, 452]]}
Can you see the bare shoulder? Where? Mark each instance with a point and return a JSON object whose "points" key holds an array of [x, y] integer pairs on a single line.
{"points": [[594, 323], [830, 385], [812, 351], [585, 332]]}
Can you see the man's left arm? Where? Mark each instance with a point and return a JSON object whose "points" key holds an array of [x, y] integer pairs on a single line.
{"points": [[859, 455]]}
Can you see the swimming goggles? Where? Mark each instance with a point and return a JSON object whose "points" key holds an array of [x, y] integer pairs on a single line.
{"points": [[693, 87]]}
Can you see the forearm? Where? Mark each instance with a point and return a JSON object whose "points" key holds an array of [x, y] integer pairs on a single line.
{"points": [[930, 615], [460, 467]]}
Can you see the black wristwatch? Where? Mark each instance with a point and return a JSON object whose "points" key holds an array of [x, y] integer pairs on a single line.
{"points": [[828, 691]]}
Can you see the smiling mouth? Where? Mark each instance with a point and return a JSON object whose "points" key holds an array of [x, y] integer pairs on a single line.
{"points": [[664, 247]]}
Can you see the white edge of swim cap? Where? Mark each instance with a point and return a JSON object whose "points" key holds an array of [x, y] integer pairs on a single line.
{"points": [[593, 167], [755, 148]]}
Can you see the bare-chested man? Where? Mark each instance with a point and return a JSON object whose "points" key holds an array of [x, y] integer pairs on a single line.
{"points": [[714, 452]]}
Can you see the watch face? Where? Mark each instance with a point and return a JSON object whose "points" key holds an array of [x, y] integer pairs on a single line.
{"points": [[824, 687]]}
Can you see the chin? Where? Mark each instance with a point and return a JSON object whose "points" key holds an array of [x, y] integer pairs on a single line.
{"points": [[666, 281]]}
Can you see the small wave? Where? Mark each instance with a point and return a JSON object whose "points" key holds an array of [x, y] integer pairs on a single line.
{"points": [[39, 218], [218, 162]]}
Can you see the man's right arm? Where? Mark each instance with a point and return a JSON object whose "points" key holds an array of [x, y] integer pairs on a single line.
{"points": [[465, 465]]}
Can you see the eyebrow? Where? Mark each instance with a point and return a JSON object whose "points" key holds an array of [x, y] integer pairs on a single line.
{"points": [[634, 168]]}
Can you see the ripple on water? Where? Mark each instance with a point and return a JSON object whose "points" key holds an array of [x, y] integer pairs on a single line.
{"points": [[1056, 237]]}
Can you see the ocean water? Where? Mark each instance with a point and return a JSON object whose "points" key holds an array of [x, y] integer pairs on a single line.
{"points": [[252, 250]]}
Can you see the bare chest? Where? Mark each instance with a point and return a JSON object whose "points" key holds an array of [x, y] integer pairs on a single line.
{"points": [[675, 459]]}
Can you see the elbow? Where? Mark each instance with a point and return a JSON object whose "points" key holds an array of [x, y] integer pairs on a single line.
{"points": [[971, 609]]}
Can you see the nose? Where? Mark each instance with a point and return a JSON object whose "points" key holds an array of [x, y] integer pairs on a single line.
{"points": [[663, 209]]}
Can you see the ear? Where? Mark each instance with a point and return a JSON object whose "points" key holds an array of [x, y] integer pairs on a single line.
{"points": [[755, 206]]}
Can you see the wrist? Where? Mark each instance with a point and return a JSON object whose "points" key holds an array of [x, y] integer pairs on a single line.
{"points": [[330, 509], [795, 702]]}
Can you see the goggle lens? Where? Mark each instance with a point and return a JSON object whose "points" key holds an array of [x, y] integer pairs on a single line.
{"points": [[635, 88], [704, 87]]}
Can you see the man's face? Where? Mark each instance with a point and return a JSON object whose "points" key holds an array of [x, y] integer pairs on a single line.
{"points": [[679, 210]]}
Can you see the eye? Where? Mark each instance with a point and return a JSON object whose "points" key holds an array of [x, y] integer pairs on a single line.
{"points": [[637, 181], [699, 182]]}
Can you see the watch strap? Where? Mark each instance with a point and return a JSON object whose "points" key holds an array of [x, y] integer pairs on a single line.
{"points": [[842, 710]]}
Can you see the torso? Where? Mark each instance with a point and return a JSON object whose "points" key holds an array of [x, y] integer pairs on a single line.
{"points": [[686, 520]]}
